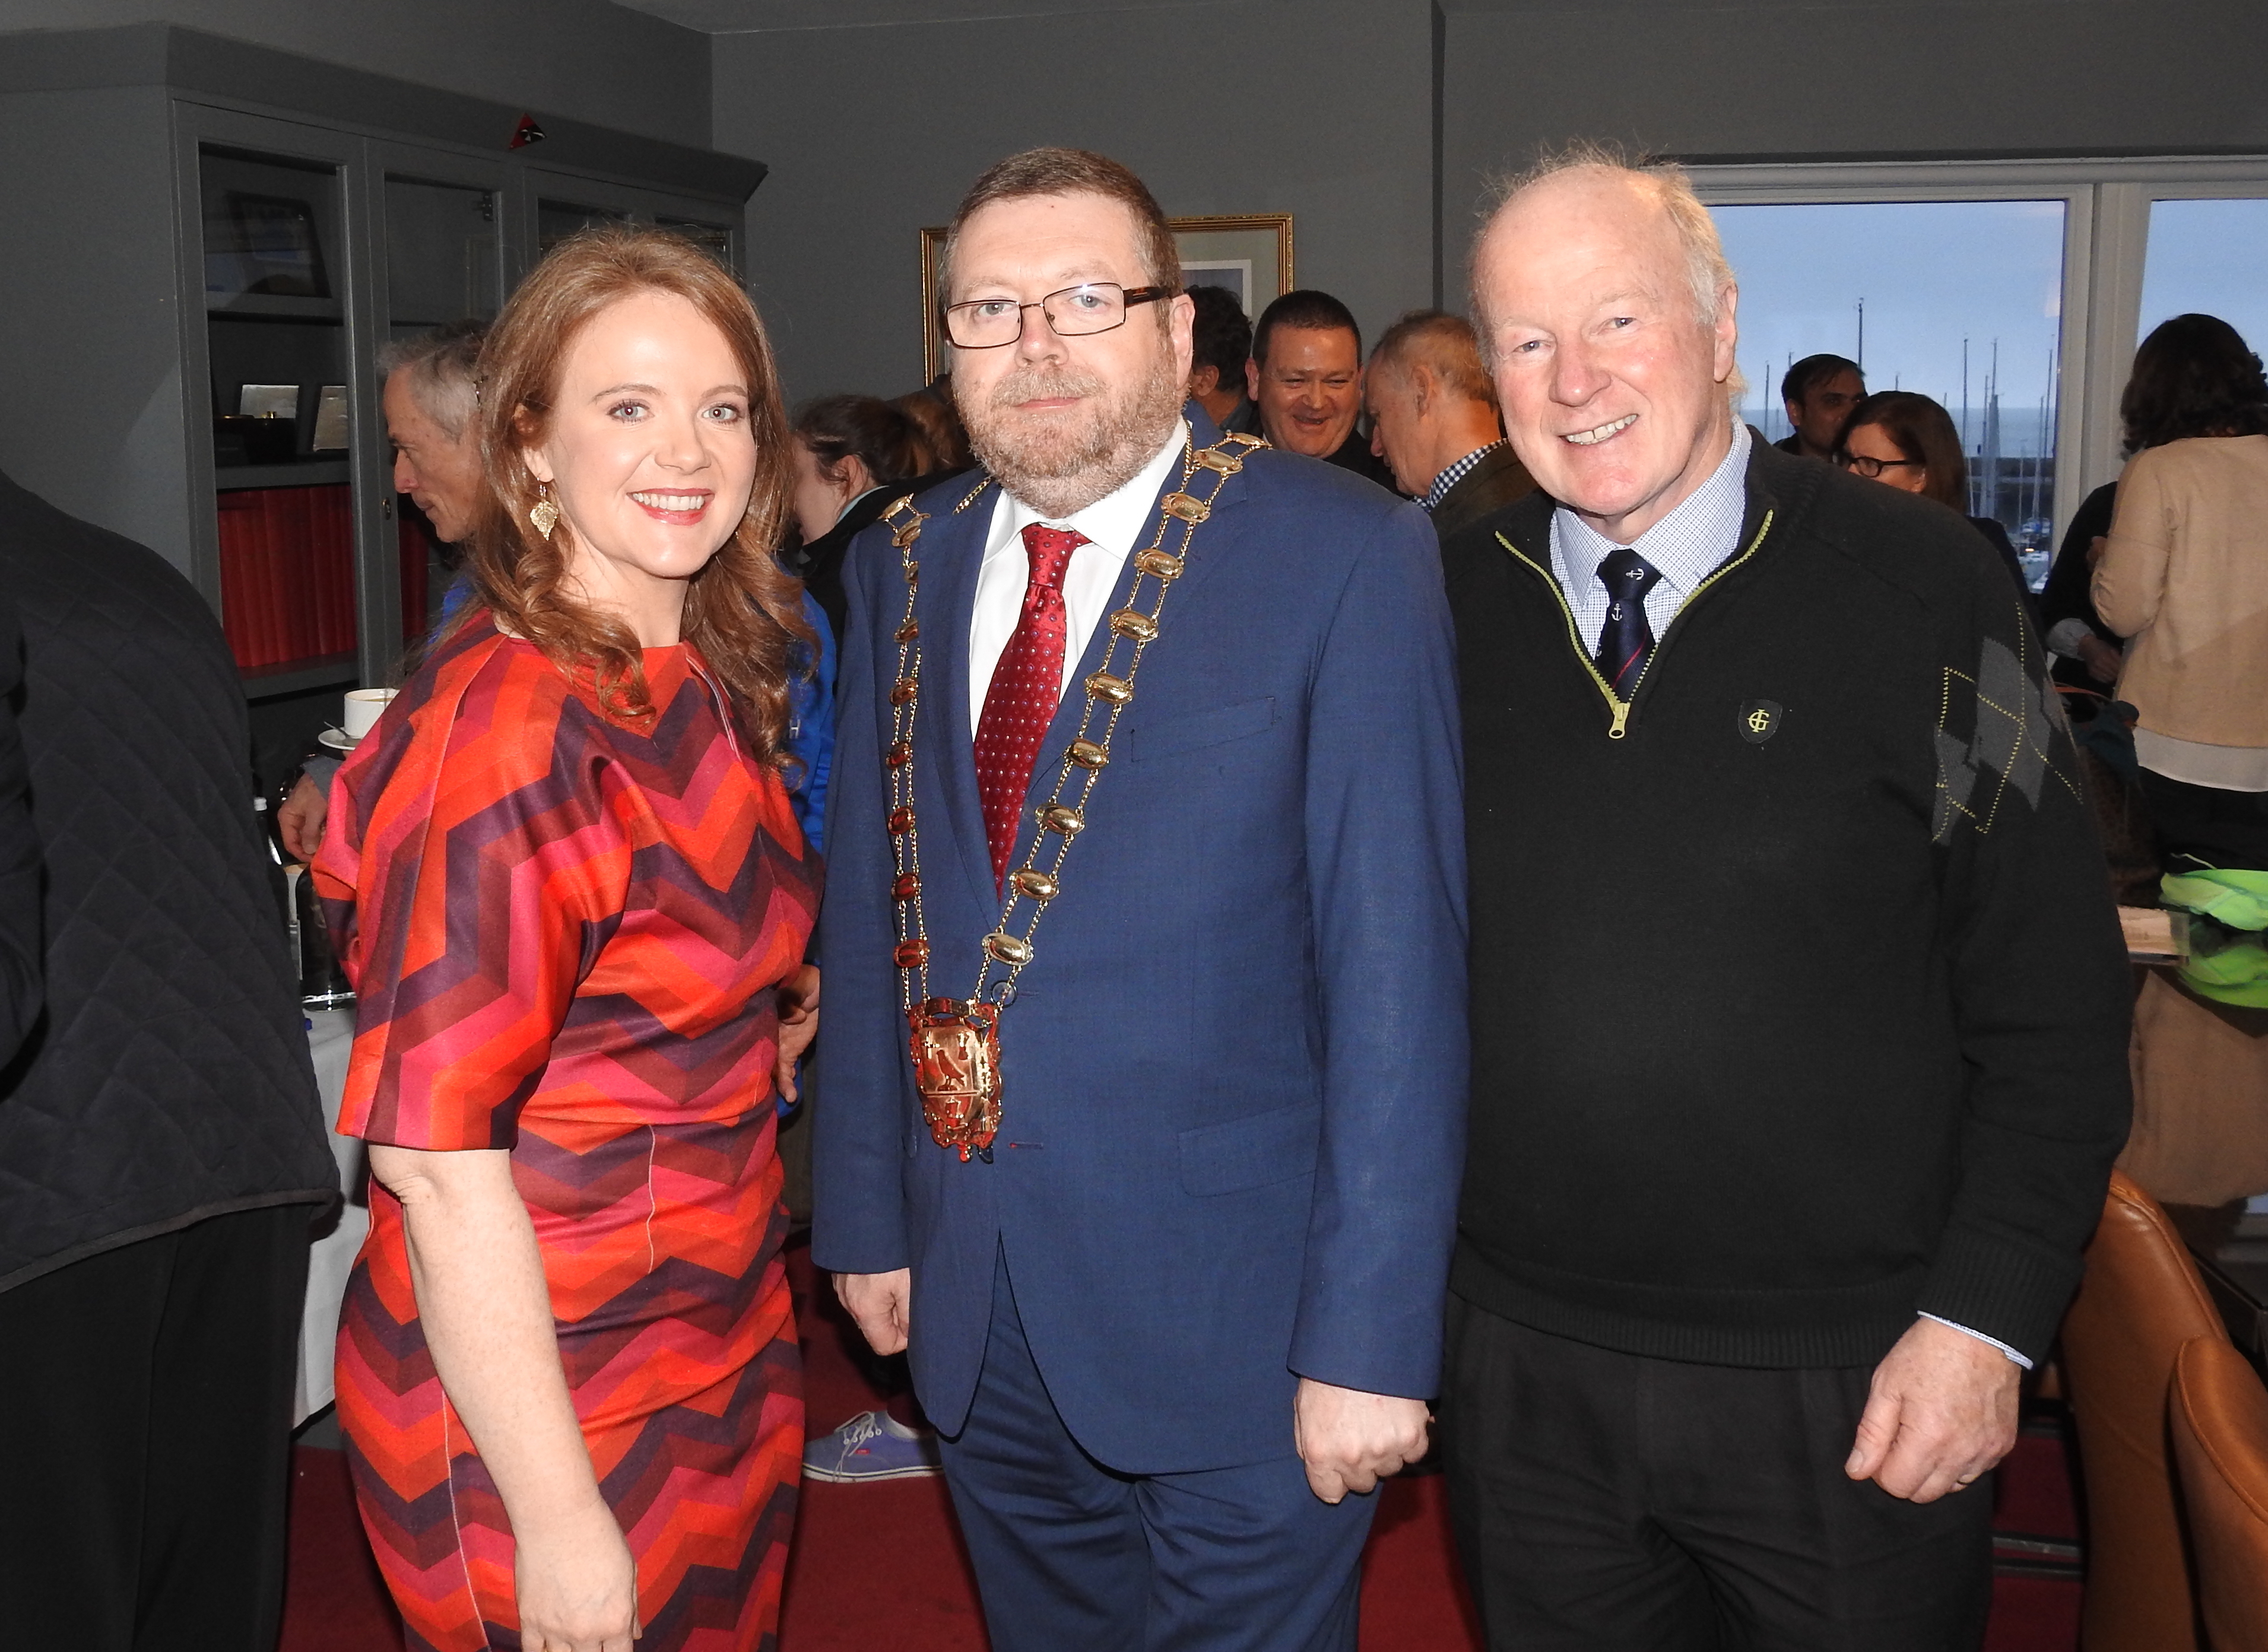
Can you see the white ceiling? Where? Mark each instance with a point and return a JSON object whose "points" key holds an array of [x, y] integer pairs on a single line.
{"points": [[753, 17]]}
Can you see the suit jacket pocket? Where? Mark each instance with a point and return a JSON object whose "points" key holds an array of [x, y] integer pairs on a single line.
{"points": [[1217, 727], [1252, 1151]]}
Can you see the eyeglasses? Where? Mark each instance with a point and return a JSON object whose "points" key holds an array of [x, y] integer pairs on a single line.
{"points": [[1092, 306], [1871, 469]]}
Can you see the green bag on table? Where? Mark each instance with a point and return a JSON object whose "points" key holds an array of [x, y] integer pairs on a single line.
{"points": [[2228, 956]]}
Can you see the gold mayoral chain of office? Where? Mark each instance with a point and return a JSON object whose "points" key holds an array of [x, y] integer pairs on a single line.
{"points": [[956, 1041]]}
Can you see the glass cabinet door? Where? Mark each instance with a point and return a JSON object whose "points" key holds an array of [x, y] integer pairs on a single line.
{"points": [[557, 220], [444, 254], [714, 237], [276, 342], [444, 269]]}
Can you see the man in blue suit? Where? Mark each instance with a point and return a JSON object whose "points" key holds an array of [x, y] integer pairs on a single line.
{"points": [[1147, 823]]}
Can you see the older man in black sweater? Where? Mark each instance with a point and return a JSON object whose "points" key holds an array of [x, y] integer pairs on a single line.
{"points": [[1799, 1006]]}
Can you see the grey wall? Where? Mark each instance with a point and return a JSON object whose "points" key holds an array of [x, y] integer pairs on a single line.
{"points": [[589, 59], [1797, 79], [1233, 107], [1328, 109], [98, 430]]}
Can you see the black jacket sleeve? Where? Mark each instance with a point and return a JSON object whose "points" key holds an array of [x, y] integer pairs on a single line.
{"points": [[21, 992], [2041, 990]]}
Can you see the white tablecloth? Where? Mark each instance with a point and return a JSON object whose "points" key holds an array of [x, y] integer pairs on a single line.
{"points": [[331, 1036]]}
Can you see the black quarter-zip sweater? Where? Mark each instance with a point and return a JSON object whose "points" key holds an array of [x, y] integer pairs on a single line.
{"points": [[1799, 1004]]}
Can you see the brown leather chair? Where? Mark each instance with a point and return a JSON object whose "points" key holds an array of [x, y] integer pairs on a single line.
{"points": [[2221, 1445], [2140, 1301]]}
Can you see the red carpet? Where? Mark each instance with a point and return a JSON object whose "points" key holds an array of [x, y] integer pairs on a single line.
{"points": [[880, 1568]]}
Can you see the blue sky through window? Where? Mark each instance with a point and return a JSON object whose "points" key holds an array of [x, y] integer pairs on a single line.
{"points": [[1932, 273], [2208, 256]]}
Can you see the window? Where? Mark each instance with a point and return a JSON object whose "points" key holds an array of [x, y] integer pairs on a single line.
{"points": [[1960, 300], [2209, 255], [2065, 263]]}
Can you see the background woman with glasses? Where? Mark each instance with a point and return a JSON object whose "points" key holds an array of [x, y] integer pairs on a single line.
{"points": [[1905, 439]]}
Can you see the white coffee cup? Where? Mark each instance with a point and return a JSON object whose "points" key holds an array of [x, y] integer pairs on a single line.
{"points": [[364, 708]]}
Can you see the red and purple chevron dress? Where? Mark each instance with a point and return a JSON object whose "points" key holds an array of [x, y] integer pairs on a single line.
{"points": [[565, 933]]}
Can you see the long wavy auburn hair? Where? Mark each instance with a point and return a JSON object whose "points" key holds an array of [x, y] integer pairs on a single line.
{"points": [[743, 611]]}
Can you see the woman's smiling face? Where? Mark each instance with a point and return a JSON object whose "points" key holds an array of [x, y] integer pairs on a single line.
{"points": [[650, 453]]}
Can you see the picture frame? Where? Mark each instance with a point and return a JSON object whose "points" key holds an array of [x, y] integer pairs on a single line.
{"points": [[1250, 253]]}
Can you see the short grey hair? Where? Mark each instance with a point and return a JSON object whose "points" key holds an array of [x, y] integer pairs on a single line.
{"points": [[443, 369], [1707, 274], [1445, 344]]}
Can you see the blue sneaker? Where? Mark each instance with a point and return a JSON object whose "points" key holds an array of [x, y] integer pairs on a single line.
{"points": [[873, 1445]]}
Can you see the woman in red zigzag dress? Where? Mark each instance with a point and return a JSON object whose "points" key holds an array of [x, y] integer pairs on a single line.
{"points": [[575, 902]]}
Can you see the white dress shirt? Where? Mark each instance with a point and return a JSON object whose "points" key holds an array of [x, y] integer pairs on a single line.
{"points": [[1688, 545], [1114, 526]]}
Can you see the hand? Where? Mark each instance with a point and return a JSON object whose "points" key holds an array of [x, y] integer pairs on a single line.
{"points": [[2102, 661], [1942, 1411], [881, 1303], [300, 819], [2096, 547], [1350, 1440], [798, 1025], [576, 1586]]}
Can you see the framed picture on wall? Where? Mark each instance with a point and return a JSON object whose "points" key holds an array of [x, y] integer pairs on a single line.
{"points": [[1249, 254]]}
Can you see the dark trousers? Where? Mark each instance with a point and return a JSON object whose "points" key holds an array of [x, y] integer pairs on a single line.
{"points": [[1611, 1503], [145, 1440], [2221, 828], [1072, 1554]]}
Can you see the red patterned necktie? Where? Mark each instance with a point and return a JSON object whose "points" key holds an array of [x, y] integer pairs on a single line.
{"points": [[1025, 686]]}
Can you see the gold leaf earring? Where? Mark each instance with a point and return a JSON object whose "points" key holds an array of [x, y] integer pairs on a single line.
{"points": [[543, 515]]}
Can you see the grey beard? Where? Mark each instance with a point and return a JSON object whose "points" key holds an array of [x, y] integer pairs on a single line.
{"points": [[1059, 473]]}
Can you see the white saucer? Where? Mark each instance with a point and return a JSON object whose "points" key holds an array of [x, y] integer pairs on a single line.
{"points": [[337, 740]]}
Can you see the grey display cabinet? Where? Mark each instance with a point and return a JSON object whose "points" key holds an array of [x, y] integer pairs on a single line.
{"points": [[184, 216]]}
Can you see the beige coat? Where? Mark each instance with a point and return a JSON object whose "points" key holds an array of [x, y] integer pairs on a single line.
{"points": [[2185, 575]]}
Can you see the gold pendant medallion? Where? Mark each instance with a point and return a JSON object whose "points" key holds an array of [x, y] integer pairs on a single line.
{"points": [[956, 1050]]}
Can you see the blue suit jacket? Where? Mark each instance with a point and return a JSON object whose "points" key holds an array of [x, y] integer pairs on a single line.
{"points": [[1234, 1076]]}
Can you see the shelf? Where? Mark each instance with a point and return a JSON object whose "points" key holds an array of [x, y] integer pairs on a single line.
{"points": [[298, 677], [313, 473], [260, 306]]}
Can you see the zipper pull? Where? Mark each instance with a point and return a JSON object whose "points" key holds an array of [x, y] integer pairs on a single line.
{"points": [[1622, 715]]}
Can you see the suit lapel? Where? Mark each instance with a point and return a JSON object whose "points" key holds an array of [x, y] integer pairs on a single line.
{"points": [[1210, 545], [952, 552]]}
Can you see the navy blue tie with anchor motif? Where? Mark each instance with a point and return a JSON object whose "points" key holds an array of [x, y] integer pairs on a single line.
{"points": [[1627, 639]]}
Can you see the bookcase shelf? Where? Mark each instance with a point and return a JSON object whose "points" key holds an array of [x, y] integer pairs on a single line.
{"points": [[298, 677], [305, 474], [259, 306]]}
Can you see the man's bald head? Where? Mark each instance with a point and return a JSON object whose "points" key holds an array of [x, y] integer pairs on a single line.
{"points": [[1444, 345], [1606, 312], [1602, 173], [1429, 397]]}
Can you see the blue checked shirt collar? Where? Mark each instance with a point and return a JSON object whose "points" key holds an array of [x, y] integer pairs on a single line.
{"points": [[1688, 545], [1455, 475]]}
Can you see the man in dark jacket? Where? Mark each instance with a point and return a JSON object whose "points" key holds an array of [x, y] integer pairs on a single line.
{"points": [[1432, 420], [1818, 393], [162, 1151], [1305, 378], [1799, 1010]]}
